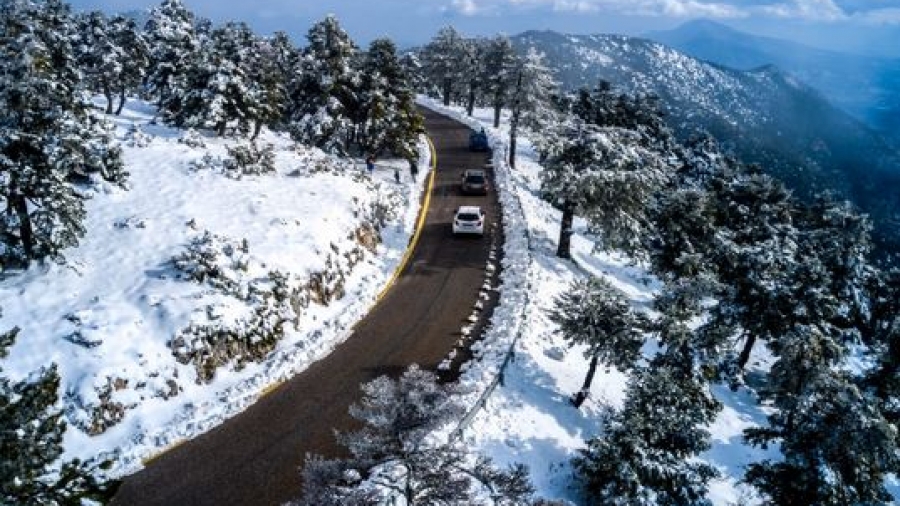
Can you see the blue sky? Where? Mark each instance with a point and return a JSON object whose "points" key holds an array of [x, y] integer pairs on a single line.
{"points": [[871, 26]]}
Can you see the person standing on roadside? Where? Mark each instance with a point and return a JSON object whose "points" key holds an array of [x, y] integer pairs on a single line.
{"points": [[413, 168], [370, 164]]}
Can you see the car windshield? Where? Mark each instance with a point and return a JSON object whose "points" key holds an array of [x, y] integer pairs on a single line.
{"points": [[467, 217], [475, 178]]}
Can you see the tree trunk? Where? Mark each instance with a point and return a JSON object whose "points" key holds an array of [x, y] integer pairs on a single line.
{"points": [[107, 92], [565, 230], [121, 101], [470, 103], [26, 233], [448, 88], [498, 107], [744, 357], [513, 130], [257, 127], [580, 396]]}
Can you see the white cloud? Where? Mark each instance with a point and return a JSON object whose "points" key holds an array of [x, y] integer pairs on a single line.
{"points": [[811, 10], [466, 7], [693, 9]]}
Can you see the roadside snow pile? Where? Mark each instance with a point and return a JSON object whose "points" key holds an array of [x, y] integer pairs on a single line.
{"points": [[227, 266]]}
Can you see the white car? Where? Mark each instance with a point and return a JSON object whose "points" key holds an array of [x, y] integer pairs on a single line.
{"points": [[468, 220]]}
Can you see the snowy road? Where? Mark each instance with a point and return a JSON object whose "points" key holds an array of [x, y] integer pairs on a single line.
{"points": [[253, 458]]}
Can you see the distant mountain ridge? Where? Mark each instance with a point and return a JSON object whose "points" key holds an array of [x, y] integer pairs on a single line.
{"points": [[866, 87], [763, 116]]}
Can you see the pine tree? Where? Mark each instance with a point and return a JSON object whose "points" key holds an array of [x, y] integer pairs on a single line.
{"points": [[640, 112], [134, 53], [173, 41], [412, 66], [501, 70], [882, 332], [391, 122], [442, 61], [47, 135], [266, 69], [757, 251], [325, 100], [31, 435], [216, 87], [647, 453], [531, 93], [112, 55], [685, 238], [593, 313], [394, 453], [472, 60], [840, 239], [837, 446], [96, 54], [606, 175]]}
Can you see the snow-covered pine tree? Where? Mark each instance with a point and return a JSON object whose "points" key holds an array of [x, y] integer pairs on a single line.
{"points": [[442, 62], [595, 314], [48, 134], [837, 447], [396, 455], [499, 73], [31, 434], [473, 71], [325, 99], [684, 243], [134, 53], [266, 69], [216, 86], [756, 248], [96, 54], [646, 455], [882, 332], [173, 42], [567, 158], [840, 238], [597, 105], [412, 66], [684, 239], [607, 175], [112, 56], [640, 112], [530, 99], [390, 120]]}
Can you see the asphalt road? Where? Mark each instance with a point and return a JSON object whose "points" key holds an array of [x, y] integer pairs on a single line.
{"points": [[254, 457]]}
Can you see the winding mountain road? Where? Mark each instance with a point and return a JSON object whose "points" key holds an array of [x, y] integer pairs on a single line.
{"points": [[254, 457]]}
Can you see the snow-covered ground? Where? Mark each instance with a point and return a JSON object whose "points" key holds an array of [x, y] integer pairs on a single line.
{"points": [[107, 316], [529, 418]]}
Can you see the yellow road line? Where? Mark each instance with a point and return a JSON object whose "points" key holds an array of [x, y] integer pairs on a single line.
{"points": [[162, 452], [422, 215], [403, 261]]}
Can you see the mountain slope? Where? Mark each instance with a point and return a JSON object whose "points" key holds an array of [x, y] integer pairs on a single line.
{"points": [[866, 87], [763, 116]]}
